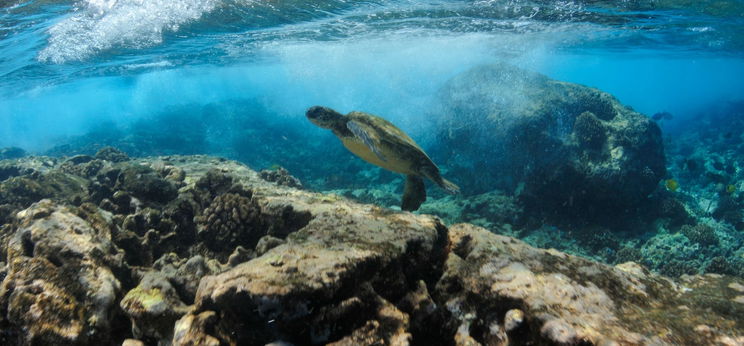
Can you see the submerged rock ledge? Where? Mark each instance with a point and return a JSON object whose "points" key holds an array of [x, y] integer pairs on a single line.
{"points": [[195, 250]]}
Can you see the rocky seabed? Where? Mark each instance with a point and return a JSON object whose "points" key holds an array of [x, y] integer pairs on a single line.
{"points": [[196, 250]]}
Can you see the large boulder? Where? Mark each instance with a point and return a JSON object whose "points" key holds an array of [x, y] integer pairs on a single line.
{"points": [[566, 149]]}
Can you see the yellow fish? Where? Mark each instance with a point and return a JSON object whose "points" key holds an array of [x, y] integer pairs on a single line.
{"points": [[671, 185], [731, 188]]}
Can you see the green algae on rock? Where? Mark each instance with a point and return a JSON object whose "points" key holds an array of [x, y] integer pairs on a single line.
{"points": [[153, 307]]}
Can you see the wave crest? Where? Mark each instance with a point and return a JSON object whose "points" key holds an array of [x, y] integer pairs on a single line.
{"points": [[99, 25]]}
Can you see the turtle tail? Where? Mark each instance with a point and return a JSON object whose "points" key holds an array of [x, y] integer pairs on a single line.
{"points": [[432, 172], [449, 186]]}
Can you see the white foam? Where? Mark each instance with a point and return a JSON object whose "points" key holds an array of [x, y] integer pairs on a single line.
{"points": [[98, 25], [149, 65]]}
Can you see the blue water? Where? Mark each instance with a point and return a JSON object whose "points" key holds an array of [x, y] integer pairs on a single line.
{"points": [[68, 66]]}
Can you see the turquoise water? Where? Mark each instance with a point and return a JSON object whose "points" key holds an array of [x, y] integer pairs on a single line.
{"points": [[67, 66]]}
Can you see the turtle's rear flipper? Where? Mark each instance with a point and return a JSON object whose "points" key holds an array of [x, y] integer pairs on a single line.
{"points": [[414, 193]]}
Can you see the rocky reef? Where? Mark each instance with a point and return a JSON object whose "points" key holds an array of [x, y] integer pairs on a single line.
{"points": [[197, 250]]}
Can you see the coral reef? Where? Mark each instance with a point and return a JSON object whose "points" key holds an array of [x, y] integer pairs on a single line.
{"points": [[230, 220], [280, 176], [572, 300], [336, 275], [22, 190], [706, 158], [143, 182], [568, 161], [207, 252], [701, 234]]}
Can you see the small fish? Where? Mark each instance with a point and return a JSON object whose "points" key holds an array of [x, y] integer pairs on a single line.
{"points": [[671, 185], [730, 188], [662, 116]]}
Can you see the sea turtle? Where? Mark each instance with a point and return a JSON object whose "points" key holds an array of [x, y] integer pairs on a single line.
{"points": [[381, 143]]}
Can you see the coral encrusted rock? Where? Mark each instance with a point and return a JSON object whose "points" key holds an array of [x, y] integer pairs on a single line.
{"points": [[571, 151], [336, 276], [568, 300], [60, 287], [111, 154]]}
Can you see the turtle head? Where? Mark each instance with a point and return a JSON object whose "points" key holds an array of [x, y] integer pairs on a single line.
{"points": [[324, 117]]}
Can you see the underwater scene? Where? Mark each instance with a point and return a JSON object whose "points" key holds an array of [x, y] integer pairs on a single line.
{"points": [[382, 172]]}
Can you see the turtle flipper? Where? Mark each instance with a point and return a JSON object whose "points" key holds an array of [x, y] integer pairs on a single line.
{"points": [[414, 193], [360, 131]]}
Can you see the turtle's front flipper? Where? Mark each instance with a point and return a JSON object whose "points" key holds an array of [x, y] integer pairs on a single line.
{"points": [[414, 193], [362, 132]]}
